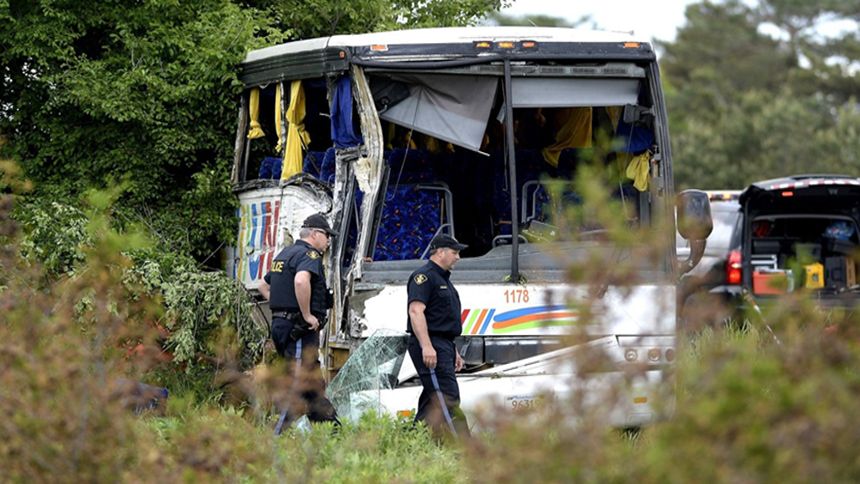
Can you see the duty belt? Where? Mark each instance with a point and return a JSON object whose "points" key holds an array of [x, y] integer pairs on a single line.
{"points": [[285, 314]]}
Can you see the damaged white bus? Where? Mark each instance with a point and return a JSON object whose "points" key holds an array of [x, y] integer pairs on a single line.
{"points": [[479, 133]]}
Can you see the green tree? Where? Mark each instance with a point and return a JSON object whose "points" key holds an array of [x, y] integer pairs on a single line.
{"points": [[833, 59], [718, 55], [315, 18], [499, 18], [746, 106], [139, 92], [144, 92], [762, 135]]}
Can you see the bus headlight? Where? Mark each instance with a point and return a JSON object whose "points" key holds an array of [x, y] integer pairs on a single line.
{"points": [[631, 355]]}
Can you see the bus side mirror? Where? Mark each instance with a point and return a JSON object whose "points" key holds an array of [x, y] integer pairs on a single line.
{"points": [[695, 224], [636, 115]]}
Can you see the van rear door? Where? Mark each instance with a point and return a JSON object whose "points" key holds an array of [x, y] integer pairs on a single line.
{"points": [[797, 223]]}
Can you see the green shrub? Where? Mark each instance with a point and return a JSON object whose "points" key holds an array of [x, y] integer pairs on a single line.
{"points": [[203, 316]]}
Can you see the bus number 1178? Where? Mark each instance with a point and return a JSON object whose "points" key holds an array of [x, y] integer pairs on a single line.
{"points": [[517, 296]]}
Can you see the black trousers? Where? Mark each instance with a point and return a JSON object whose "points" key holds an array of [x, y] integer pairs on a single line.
{"points": [[308, 377], [429, 406]]}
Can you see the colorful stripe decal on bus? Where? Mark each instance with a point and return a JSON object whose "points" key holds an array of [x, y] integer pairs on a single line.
{"points": [[258, 229], [469, 320], [253, 261], [487, 321], [535, 317], [270, 236], [477, 321], [463, 316]]}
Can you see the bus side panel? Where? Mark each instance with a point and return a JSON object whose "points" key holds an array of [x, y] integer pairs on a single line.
{"points": [[532, 310]]}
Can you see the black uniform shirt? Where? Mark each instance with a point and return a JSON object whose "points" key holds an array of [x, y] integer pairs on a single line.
{"points": [[432, 285], [282, 277]]}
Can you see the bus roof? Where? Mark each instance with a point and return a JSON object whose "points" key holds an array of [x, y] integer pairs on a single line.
{"points": [[447, 35]]}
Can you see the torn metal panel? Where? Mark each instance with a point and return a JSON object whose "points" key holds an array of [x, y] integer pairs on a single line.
{"points": [[343, 199], [285, 106], [368, 168], [357, 323], [238, 169], [455, 109]]}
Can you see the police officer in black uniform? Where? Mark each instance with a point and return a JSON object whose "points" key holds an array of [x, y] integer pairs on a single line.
{"points": [[434, 322], [299, 299]]}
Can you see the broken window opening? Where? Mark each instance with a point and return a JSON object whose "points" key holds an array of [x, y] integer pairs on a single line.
{"points": [[263, 160], [551, 142]]}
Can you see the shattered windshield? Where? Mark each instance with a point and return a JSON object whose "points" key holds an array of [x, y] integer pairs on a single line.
{"points": [[373, 367]]}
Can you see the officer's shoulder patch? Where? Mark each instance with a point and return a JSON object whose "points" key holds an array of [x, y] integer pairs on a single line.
{"points": [[420, 279], [313, 254]]}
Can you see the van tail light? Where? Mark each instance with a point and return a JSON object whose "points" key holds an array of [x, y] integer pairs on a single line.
{"points": [[733, 268]]}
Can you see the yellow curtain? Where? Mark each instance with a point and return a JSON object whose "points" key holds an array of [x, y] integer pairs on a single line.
{"points": [[254, 106], [575, 132], [435, 146], [615, 113], [638, 169], [297, 136], [278, 117]]}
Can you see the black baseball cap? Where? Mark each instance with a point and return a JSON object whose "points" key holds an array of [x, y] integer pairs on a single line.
{"points": [[317, 221], [442, 241]]}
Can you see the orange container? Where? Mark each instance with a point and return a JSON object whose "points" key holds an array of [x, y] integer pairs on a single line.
{"points": [[776, 282]]}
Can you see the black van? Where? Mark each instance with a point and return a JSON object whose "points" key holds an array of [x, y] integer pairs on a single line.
{"points": [[792, 234], [808, 222]]}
